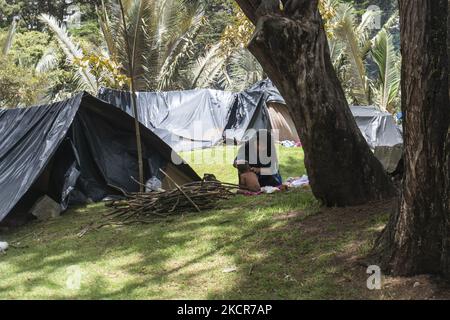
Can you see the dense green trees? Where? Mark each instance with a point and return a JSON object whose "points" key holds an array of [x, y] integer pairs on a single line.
{"points": [[20, 83], [29, 10], [19, 86], [213, 55]]}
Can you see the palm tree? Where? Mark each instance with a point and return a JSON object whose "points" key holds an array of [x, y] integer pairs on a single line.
{"points": [[355, 45], [83, 77], [228, 64], [161, 33], [351, 46], [386, 88], [244, 70], [206, 70]]}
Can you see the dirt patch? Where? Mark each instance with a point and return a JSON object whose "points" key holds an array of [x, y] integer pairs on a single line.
{"points": [[333, 222], [289, 215], [356, 228]]}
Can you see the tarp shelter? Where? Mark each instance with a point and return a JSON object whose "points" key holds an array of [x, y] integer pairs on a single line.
{"points": [[75, 150], [195, 119], [186, 120], [381, 133], [260, 107]]}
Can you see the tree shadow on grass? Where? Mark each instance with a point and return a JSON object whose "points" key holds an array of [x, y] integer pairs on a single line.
{"points": [[322, 256], [279, 245]]}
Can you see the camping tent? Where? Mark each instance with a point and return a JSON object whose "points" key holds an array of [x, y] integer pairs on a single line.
{"points": [[260, 107], [185, 120], [202, 118], [75, 150], [193, 119], [381, 133]]}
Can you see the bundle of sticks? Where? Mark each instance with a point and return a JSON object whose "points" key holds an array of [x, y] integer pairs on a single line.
{"points": [[195, 196], [142, 207]]}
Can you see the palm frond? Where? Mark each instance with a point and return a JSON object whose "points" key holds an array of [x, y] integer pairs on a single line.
{"points": [[71, 50], [385, 57], [106, 29], [336, 53], [392, 21], [179, 47], [205, 70], [245, 70], [48, 62], [140, 12], [161, 37], [355, 45]]}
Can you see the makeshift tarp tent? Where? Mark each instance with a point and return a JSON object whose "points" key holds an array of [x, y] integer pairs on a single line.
{"points": [[248, 114], [193, 119], [260, 107], [381, 133], [74, 150], [378, 128], [185, 120], [202, 118]]}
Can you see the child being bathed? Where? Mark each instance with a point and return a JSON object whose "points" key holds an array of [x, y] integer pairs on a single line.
{"points": [[248, 180]]}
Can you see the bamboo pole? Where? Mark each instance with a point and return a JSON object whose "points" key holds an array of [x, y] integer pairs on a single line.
{"points": [[131, 67]]}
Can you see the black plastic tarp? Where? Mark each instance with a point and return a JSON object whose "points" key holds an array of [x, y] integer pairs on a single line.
{"points": [[29, 139], [381, 133], [378, 128], [185, 120], [81, 146], [249, 113], [193, 119]]}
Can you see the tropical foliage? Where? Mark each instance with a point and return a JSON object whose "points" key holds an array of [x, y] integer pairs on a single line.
{"points": [[228, 64], [187, 44], [19, 85], [162, 37], [73, 52], [357, 48]]}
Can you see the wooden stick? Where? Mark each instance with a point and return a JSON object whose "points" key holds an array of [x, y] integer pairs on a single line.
{"points": [[178, 187]]}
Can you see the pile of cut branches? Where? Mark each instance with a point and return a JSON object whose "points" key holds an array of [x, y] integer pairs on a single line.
{"points": [[195, 196], [144, 207]]}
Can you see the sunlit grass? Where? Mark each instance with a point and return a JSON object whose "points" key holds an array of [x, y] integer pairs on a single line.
{"points": [[219, 161], [181, 257]]}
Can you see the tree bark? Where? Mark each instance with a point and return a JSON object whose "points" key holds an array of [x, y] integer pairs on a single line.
{"points": [[446, 246], [292, 47], [446, 251], [415, 240]]}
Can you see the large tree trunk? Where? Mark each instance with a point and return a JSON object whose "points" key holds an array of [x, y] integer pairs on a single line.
{"points": [[446, 245], [446, 251], [292, 47], [415, 239]]}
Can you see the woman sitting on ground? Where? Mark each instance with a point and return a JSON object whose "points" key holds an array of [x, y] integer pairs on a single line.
{"points": [[260, 154], [248, 180]]}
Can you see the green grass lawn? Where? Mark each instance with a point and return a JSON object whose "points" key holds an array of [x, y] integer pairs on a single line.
{"points": [[219, 161], [270, 242]]}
